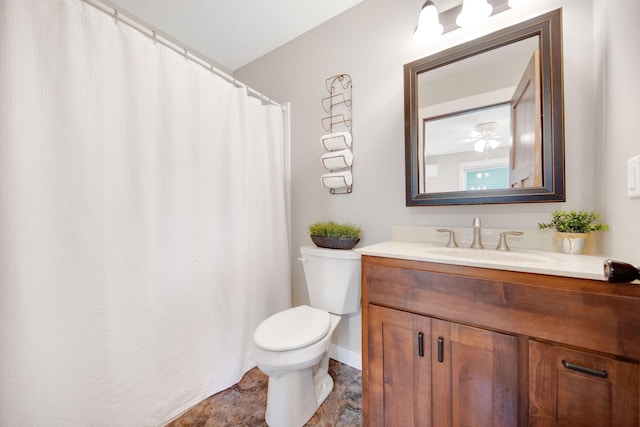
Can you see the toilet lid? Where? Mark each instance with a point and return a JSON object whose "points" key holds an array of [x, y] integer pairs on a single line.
{"points": [[293, 328]]}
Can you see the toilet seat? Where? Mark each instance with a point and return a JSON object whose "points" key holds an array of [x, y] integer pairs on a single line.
{"points": [[293, 328]]}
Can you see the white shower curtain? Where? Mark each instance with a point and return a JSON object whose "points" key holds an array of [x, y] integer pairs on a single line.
{"points": [[143, 231]]}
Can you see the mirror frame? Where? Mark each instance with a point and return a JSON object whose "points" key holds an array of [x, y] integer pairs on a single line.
{"points": [[549, 28]]}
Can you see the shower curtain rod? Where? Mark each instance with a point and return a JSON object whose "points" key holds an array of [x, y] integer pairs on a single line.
{"points": [[177, 47]]}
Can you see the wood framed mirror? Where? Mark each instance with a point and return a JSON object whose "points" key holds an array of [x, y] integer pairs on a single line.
{"points": [[484, 120]]}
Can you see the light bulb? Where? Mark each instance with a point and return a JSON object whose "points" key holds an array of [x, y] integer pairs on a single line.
{"points": [[429, 26], [473, 13]]}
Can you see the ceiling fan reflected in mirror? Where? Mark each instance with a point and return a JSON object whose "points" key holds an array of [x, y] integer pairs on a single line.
{"points": [[485, 136]]}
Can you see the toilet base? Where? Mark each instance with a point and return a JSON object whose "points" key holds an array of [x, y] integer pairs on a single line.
{"points": [[290, 402], [323, 389]]}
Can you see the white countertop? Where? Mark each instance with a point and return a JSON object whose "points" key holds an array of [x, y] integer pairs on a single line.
{"points": [[524, 260]]}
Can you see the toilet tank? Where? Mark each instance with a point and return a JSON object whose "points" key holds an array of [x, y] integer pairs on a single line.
{"points": [[333, 278]]}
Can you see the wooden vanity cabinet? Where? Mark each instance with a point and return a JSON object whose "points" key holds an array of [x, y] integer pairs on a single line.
{"points": [[446, 345]]}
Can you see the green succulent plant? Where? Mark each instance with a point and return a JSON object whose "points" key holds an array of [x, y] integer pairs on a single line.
{"points": [[574, 222], [332, 229]]}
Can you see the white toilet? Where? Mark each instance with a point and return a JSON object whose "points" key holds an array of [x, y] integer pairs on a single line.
{"points": [[292, 347]]}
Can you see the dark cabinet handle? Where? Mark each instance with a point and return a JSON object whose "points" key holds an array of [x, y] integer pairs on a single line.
{"points": [[420, 344], [440, 349], [601, 374]]}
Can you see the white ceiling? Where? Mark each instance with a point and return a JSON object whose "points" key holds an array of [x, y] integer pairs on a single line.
{"points": [[233, 33]]}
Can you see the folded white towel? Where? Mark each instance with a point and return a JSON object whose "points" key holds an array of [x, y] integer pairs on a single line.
{"points": [[337, 159], [337, 180], [336, 140]]}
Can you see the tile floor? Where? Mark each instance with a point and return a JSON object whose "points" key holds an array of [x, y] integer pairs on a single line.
{"points": [[244, 403]]}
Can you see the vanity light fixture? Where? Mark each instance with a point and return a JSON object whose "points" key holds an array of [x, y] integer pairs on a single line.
{"points": [[429, 26], [473, 13], [467, 13]]}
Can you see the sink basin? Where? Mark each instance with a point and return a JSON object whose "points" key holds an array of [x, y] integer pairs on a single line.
{"points": [[487, 255]]}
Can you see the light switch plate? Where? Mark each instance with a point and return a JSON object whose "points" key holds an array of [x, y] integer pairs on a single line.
{"points": [[633, 177]]}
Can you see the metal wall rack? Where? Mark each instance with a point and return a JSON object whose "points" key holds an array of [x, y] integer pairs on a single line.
{"points": [[338, 141]]}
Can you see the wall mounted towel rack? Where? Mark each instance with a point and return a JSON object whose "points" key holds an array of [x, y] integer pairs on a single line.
{"points": [[339, 140]]}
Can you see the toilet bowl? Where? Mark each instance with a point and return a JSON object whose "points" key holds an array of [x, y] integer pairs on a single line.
{"points": [[292, 346]]}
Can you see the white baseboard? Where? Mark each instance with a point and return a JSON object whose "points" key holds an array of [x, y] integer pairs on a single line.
{"points": [[346, 356]]}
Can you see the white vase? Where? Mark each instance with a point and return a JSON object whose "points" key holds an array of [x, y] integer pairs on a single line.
{"points": [[572, 243]]}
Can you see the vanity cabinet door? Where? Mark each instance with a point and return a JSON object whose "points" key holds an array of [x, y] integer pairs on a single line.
{"points": [[453, 375], [568, 387], [475, 376], [399, 385]]}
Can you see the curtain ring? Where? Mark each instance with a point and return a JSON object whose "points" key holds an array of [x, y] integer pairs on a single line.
{"points": [[115, 16], [155, 36]]}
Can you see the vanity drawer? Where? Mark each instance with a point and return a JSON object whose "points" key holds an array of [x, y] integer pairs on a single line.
{"points": [[571, 387]]}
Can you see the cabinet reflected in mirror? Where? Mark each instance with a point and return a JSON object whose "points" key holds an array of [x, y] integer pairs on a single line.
{"points": [[474, 127]]}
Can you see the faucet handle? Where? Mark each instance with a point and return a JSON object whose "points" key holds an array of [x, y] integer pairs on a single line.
{"points": [[502, 244], [452, 237]]}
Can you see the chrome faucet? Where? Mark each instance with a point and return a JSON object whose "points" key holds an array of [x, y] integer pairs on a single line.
{"points": [[477, 234]]}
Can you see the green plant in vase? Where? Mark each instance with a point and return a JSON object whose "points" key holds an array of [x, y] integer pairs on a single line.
{"points": [[573, 228]]}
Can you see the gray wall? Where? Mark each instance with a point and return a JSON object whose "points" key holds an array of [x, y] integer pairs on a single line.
{"points": [[372, 41], [617, 91]]}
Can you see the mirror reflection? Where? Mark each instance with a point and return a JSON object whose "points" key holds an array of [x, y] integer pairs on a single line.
{"points": [[468, 132], [461, 144], [484, 120]]}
